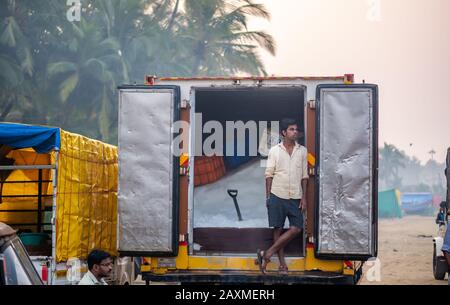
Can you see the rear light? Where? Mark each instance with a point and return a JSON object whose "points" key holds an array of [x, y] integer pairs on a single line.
{"points": [[184, 160], [150, 80], [348, 264], [145, 261], [4, 265], [44, 272], [349, 79], [310, 246], [183, 243]]}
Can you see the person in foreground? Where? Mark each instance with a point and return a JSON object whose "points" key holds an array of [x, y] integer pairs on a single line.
{"points": [[286, 180], [100, 264]]}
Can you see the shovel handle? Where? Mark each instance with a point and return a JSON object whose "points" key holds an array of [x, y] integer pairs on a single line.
{"points": [[232, 193]]}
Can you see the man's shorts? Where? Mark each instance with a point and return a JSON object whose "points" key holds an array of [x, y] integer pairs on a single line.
{"points": [[279, 208]]}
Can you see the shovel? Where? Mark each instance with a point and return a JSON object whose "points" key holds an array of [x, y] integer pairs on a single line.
{"points": [[233, 194]]}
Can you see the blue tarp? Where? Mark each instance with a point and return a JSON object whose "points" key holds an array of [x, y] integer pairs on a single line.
{"points": [[42, 139], [417, 203], [234, 161]]}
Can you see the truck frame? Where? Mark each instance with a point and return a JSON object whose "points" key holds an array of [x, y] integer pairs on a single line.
{"points": [[162, 224]]}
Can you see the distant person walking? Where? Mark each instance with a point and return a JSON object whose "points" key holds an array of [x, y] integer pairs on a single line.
{"points": [[100, 265], [440, 218]]}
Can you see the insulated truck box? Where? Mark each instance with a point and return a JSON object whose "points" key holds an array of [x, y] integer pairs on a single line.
{"points": [[191, 194]]}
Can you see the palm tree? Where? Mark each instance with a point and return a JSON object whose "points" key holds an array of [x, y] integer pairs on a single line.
{"points": [[65, 74], [217, 38], [140, 27], [16, 63], [391, 160], [26, 34], [86, 80]]}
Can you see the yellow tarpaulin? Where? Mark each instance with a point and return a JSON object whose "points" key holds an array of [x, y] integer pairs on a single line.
{"points": [[87, 197], [86, 194], [24, 157]]}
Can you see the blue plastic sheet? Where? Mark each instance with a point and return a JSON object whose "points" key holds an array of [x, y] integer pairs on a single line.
{"points": [[41, 138]]}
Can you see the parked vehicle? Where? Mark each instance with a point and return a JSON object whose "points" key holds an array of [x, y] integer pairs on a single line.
{"points": [[440, 266], [16, 267], [175, 210], [59, 190]]}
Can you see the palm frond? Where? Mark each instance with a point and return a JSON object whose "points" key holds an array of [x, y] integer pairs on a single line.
{"points": [[103, 120], [68, 86], [10, 74], [8, 35], [262, 38], [26, 60], [60, 67]]}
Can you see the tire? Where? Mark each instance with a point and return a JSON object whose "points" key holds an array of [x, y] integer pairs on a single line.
{"points": [[440, 267]]}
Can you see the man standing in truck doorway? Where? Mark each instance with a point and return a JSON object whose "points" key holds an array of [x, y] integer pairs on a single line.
{"points": [[286, 180]]}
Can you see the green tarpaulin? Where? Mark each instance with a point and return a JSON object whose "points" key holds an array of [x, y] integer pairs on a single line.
{"points": [[389, 204]]}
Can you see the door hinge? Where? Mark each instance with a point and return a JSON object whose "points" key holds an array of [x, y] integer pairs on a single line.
{"points": [[258, 82], [184, 171], [185, 104]]}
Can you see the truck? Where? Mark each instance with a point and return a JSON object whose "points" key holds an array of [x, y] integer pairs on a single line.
{"points": [[191, 189], [59, 191], [440, 266]]}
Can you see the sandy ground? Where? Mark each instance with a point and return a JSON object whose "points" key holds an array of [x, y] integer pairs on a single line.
{"points": [[405, 251]]}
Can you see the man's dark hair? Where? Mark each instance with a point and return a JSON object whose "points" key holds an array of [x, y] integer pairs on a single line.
{"points": [[95, 257], [285, 123]]}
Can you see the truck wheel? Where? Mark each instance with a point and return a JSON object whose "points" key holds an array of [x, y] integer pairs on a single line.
{"points": [[440, 267]]}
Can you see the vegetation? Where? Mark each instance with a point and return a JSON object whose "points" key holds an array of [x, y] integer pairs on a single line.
{"points": [[398, 170], [64, 73]]}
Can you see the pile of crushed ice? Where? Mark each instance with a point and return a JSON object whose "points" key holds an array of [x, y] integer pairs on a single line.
{"points": [[213, 207]]}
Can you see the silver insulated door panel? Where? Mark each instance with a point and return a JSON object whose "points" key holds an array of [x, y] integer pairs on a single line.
{"points": [[147, 198], [346, 167]]}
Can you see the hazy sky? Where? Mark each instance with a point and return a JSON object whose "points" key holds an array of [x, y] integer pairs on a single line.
{"points": [[401, 45]]}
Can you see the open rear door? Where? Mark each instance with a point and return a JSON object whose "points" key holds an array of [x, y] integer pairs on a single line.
{"points": [[347, 171], [148, 198]]}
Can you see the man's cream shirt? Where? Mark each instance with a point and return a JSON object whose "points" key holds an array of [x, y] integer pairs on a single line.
{"points": [[287, 170], [90, 279]]}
